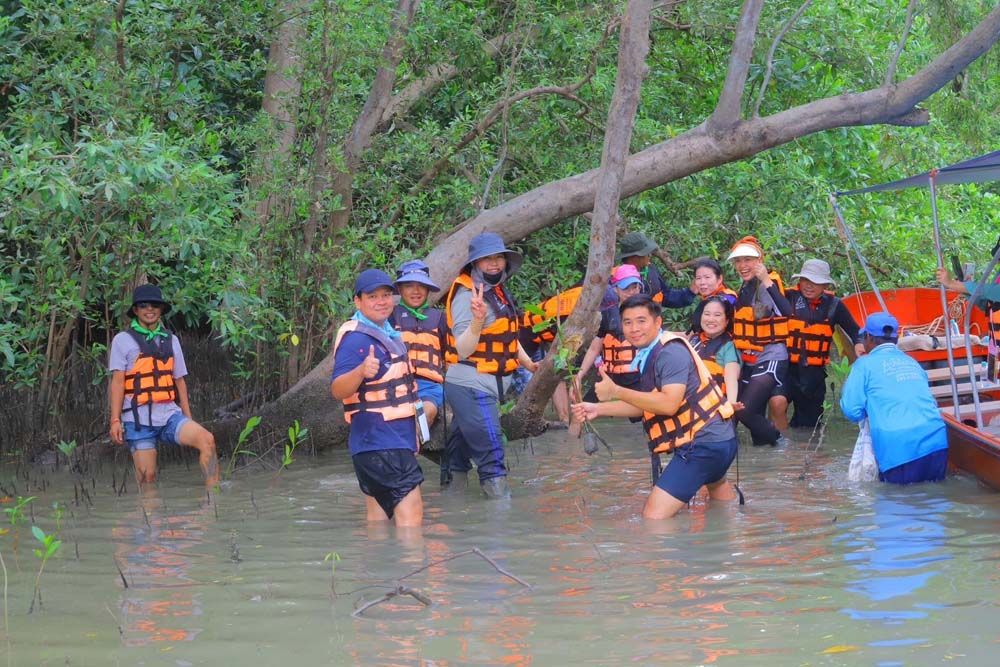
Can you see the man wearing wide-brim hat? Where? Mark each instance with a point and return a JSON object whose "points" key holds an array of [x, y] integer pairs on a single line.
{"points": [[636, 248], [484, 351], [148, 396], [816, 312]]}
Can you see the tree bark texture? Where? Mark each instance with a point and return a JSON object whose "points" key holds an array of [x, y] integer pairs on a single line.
{"points": [[281, 91], [579, 328], [688, 153]]}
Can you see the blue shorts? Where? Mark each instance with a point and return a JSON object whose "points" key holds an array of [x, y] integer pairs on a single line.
{"points": [[431, 391], [142, 437], [692, 466]]}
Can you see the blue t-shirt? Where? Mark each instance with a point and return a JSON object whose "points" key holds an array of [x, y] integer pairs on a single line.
{"points": [[369, 432], [890, 388]]}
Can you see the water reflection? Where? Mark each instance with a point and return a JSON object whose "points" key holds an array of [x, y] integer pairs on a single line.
{"points": [[155, 550], [898, 549]]}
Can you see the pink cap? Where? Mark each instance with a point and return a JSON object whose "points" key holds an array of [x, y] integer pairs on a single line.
{"points": [[624, 271]]}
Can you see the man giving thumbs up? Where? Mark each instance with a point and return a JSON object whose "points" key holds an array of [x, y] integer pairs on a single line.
{"points": [[372, 376]]}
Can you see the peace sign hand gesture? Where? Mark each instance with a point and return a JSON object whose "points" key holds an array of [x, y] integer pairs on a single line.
{"points": [[478, 304]]}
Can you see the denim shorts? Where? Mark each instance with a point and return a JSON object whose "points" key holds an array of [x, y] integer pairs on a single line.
{"points": [[144, 437], [431, 392], [695, 465]]}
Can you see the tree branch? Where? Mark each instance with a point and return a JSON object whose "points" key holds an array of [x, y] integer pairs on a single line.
{"points": [[581, 325], [728, 111], [360, 136], [770, 55], [890, 72]]}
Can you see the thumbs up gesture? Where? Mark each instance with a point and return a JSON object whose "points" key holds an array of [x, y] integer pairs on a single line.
{"points": [[605, 387], [371, 364]]}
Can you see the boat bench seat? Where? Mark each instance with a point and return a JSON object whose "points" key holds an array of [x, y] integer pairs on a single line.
{"points": [[964, 389], [969, 410], [943, 374]]}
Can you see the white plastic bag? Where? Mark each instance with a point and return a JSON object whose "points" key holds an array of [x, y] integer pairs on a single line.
{"points": [[863, 467]]}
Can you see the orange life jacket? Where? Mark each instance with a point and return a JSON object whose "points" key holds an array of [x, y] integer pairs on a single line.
{"points": [[721, 290], [496, 351], [617, 352], [557, 308], [751, 334], [423, 340], [394, 395], [707, 349], [810, 332], [151, 378], [667, 433]]}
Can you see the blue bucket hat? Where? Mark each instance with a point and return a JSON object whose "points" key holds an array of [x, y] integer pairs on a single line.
{"points": [[487, 244], [416, 271], [370, 280], [882, 325], [148, 294]]}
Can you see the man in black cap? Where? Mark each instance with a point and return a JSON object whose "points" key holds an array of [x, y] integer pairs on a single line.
{"points": [[636, 248], [149, 398], [373, 377]]}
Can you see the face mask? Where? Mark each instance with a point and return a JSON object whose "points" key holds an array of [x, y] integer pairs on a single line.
{"points": [[493, 278]]}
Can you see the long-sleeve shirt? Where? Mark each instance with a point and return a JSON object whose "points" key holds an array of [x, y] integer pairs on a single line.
{"points": [[673, 297], [890, 388], [989, 292]]}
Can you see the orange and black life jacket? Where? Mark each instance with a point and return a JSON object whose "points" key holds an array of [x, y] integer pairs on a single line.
{"points": [[151, 378], [722, 290], [394, 394], [555, 309], [707, 349], [750, 332], [810, 330], [617, 352], [425, 341], [667, 433], [496, 351]]}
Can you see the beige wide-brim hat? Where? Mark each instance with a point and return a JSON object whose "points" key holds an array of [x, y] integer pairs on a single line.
{"points": [[815, 270]]}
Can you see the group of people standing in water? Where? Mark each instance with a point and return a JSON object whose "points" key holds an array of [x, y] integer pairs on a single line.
{"points": [[747, 355], [747, 350]]}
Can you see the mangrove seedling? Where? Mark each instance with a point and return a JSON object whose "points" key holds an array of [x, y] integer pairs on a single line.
{"points": [[49, 546], [67, 448], [248, 429], [296, 434], [333, 557], [16, 517]]}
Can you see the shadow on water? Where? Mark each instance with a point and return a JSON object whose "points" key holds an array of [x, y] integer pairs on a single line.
{"points": [[812, 570]]}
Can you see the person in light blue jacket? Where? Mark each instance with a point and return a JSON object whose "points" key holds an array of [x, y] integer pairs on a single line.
{"points": [[890, 389]]}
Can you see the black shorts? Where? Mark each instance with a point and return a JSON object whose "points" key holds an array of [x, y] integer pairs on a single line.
{"points": [[388, 475]]}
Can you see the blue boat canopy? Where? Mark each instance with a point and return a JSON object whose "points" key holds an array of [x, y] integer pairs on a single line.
{"points": [[975, 170]]}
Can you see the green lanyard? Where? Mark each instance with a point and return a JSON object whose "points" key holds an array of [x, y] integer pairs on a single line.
{"points": [[150, 335]]}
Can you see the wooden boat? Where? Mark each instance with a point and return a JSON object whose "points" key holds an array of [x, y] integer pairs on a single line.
{"points": [[970, 449]]}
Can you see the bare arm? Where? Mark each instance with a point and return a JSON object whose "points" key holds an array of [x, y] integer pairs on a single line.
{"points": [[182, 396], [116, 394], [589, 357], [732, 375]]}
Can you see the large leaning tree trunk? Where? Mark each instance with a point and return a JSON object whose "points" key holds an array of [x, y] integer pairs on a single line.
{"points": [[633, 46], [724, 137]]}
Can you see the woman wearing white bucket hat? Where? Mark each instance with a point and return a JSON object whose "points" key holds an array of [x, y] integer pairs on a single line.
{"points": [[816, 311]]}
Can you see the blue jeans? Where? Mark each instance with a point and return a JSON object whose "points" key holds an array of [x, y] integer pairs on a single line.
{"points": [[143, 437]]}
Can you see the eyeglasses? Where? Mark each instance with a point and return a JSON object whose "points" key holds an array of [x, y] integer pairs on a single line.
{"points": [[148, 304]]}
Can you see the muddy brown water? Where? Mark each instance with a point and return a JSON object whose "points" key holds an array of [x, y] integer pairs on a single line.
{"points": [[812, 570]]}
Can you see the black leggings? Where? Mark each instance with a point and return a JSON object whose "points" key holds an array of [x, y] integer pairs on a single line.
{"points": [[757, 383]]}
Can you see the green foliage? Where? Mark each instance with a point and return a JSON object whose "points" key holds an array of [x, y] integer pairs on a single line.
{"points": [[296, 435], [67, 448], [15, 514], [135, 147], [245, 434], [50, 544]]}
